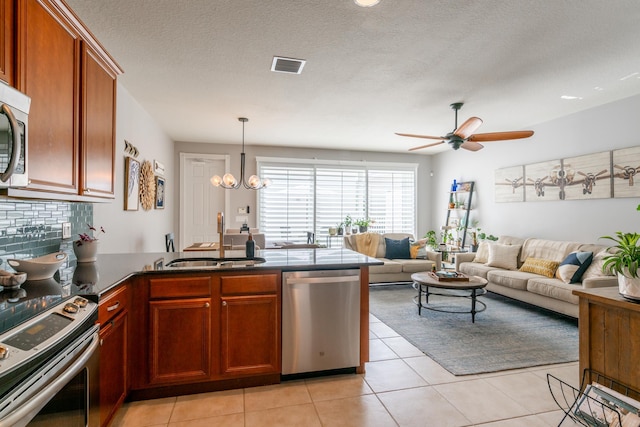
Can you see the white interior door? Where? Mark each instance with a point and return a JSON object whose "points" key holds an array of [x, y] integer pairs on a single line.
{"points": [[200, 201]]}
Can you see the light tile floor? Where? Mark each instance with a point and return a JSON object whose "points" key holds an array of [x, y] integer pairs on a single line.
{"points": [[402, 387]]}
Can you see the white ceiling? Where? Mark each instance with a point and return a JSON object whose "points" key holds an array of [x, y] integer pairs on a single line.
{"points": [[198, 65]]}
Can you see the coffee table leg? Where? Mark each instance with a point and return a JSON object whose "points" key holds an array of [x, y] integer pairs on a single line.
{"points": [[473, 306], [419, 298]]}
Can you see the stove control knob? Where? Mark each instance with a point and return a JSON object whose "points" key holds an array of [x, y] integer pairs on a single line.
{"points": [[4, 352], [70, 308]]}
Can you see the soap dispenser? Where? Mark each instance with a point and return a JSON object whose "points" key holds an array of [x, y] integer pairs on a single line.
{"points": [[250, 247]]}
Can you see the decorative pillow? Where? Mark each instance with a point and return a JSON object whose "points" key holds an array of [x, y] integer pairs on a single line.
{"points": [[573, 266], [595, 269], [397, 249], [503, 256], [482, 254], [543, 267], [414, 249]]}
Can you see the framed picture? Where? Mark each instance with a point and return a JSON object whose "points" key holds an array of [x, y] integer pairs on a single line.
{"points": [[131, 184], [160, 192], [509, 184], [626, 163]]}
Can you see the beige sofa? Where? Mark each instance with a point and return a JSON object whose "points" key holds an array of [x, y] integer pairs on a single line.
{"points": [[396, 270], [550, 293]]}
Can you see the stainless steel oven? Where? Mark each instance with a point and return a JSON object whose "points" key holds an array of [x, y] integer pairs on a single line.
{"points": [[14, 113], [49, 363]]}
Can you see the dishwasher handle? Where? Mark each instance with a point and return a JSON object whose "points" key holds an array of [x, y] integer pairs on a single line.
{"points": [[330, 279]]}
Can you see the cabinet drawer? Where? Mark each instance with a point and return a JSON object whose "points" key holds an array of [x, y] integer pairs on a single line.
{"points": [[250, 284], [112, 303], [172, 287]]}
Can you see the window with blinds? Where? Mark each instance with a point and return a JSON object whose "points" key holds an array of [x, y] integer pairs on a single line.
{"points": [[313, 196]]}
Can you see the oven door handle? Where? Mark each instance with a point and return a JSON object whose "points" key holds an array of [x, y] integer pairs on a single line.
{"points": [[26, 412]]}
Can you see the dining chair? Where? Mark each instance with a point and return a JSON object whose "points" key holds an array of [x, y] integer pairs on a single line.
{"points": [[168, 242]]}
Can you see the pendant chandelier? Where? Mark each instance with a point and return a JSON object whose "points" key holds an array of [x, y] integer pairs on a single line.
{"points": [[229, 182]]}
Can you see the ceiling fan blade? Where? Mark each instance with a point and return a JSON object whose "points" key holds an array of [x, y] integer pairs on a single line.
{"points": [[500, 136], [421, 136], [471, 146], [426, 146], [467, 129]]}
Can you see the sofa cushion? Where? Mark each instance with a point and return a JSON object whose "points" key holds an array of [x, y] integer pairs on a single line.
{"points": [[543, 267], [510, 279], [475, 269], [547, 249], [389, 267], [573, 266], [482, 254], [503, 256], [595, 269], [552, 288], [415, 265], [397, 249]]}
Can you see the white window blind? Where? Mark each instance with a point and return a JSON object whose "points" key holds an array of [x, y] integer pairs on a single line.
{"points": [[286, 207], [310, 196]]}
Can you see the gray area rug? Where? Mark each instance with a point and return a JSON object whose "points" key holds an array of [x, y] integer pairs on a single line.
{"points": [[507, 335]]}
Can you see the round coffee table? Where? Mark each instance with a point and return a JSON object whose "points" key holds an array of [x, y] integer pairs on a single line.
{"points": [[471, 289]]}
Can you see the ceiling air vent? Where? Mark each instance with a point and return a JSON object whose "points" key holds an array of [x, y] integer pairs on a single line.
{"points": [[287, 65]]}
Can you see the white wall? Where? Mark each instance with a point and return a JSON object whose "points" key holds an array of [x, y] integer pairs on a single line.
{"points": [[243, 197], [137, 231], [604, 128]]}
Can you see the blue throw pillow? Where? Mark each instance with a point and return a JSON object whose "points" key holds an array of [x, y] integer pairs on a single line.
{"points": [[573, 266], [397, 249]]}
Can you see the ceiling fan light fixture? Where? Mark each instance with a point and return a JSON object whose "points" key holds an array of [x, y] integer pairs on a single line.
{"points": [[366, 3]]}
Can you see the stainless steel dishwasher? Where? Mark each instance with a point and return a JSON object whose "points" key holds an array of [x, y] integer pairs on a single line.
{"points": [[320, 320]]}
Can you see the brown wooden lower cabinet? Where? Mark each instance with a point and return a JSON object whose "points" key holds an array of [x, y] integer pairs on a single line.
{"points": [[113, 316], [113, 367], [610, 335], [180, 340], [249, 335]]}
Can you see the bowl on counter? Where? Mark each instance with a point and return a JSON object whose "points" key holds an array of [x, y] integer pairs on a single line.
{"points": [[40, 268], [9, 280]]}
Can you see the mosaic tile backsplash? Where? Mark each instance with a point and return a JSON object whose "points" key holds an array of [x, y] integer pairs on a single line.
{"points": [[33, 228]]}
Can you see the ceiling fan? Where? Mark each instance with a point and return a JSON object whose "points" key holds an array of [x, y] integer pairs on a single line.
{"points": [[463, 136]]}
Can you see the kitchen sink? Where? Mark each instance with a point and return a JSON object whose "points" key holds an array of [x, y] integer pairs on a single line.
{"points": [[208, 263]]}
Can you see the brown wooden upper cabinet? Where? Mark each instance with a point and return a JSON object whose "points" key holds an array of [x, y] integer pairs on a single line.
{"points": [[72, 84], [6, 41]]}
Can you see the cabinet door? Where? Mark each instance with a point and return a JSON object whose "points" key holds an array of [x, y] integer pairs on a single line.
{"points": [[49, 74], [180, 340], [98, 126], [6, 41], [113, 366], [250, 335]]}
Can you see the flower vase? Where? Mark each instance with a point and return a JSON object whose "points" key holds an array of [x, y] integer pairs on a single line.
{"points": [[85, 251], [629, 286]]}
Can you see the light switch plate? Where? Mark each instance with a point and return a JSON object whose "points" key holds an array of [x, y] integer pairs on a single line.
{"points": [[242, 211], [66, 230]]}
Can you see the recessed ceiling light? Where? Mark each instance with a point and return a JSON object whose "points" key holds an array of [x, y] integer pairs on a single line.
{"points": [[366, 3], [570, 97]]}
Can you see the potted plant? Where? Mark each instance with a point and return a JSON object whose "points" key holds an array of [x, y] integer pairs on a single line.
{"points": [[340, 228], [623, 261], [473, 247], [430, 240], [363, 224], [348, 221], [86, 247]]}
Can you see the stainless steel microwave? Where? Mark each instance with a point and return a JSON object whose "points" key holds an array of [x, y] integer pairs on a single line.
{"points": [[14, 114]]}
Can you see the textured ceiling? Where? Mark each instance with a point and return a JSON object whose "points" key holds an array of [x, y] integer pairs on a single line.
{"points": [[197, 65]]}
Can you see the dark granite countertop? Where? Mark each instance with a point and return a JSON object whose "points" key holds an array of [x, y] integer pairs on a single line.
{"points": [[111, 269]]}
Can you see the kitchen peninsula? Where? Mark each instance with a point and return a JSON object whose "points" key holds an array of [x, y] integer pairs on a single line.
{"points": [[190, 330]]}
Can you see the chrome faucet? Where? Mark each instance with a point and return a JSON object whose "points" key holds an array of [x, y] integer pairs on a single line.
{"points": [[221, 232]]}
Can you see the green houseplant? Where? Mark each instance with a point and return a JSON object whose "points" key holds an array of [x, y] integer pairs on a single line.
{"points": [[623, 261], [363, 224], [430, 240]]}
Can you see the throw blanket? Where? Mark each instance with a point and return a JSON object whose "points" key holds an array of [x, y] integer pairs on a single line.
{"points": [[367, 243]]}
